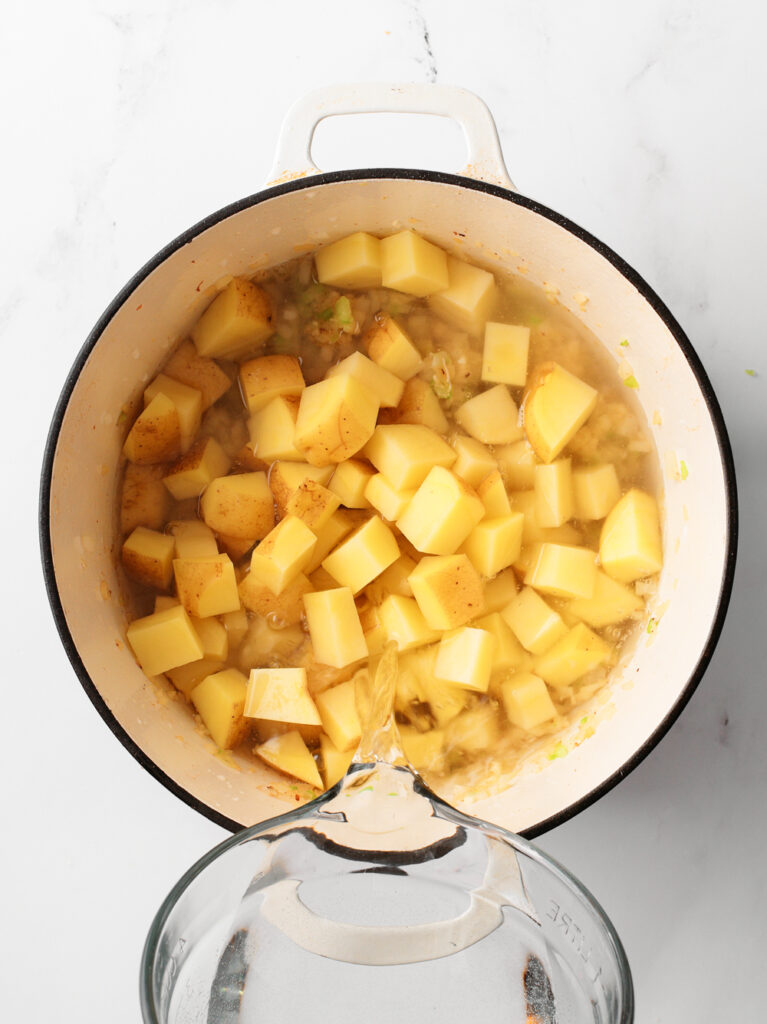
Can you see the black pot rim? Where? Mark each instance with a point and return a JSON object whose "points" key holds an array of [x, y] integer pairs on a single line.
{"points": [[650, 296]]}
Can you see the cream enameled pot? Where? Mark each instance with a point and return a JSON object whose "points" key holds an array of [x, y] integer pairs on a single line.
{"points": [[479, 215]]}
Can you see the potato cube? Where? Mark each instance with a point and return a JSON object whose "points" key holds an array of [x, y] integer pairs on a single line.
{"points": [[406, 452], [199, 372], [411, 264], [403, 623], [474, 461], [527, 701], [557, 405], [491, 416], [335, 629], [164, 640], [508, 652], [336, 418], [186, 677], [288, 753], [630, 542], [363, 555], [188, 403], [286, 477], [441, 514], [446, 701], [492, 493], [349, 481], [268, 377], [219, 700], [504, 357], [525, 502], [144, 501], [164, 601], [563, 571], [155, 435], [266, 645], [236, 322], [469, 297], [465, 658], [335, 762], [386, 386], [448, 590], [475, 730], [420, 405], [385, 498], [578, 652], [283, 554], [272, 431], [338, 711], [533, 622], [389, 347], [280, 695], [596, 491], [422, 749], [351, 262], [213, 637], [393, 580], [611, 603], [206, 586], [493, 544], [313, 504], [193, 539], [554, 493], [190, 475], [500, 591], [236, 626], [285, 609], [517, 464], [337, 527], [239, 505], [147, 557], [236, 547]]}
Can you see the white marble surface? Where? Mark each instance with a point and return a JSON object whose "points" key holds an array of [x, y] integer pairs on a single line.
{"points": [[124, 123]]}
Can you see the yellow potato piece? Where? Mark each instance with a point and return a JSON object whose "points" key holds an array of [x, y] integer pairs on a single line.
{"points": [[328, 536], [219, 700], [363, 555], [469, 297], [596, 491], [272, 431], [420, 405], [186, 677], [338, 711], [492, 493], [508, 652], [491, 416], [563, 571], [406, 452], [527, 701], [532, 533], [536, 625], [164, 640], [335, 629], [283, 554], [351, 262], [474, 461], [612, 602], [630, 542], [402, 623], [389, 347], [553, 484], [285, 609], [578, 652], [465, 658], [441, 514], [147, 557], [196, 371], [393, 580], [289, 754], [188, 403], [286, 477], [504, 356], [335, 762], [474, 730], [422, 749], [213, 637], [411, 264], [155, 435], [500, 591], [336, 418], [349, 482], [494, 544], [190, 475], [313, 504], [239, 505], [517, 464], [206, 586], [280, 695], [386, 386], [236, 322], [236, 625], [556, 406], [268, 377], [385, 498], [448, 590], [144, 500]]}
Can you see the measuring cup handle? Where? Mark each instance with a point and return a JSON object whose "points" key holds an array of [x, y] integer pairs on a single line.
{"points": [[293, 158]]}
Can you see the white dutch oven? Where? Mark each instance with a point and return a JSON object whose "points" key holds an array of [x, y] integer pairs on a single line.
{"points": [[479, 215]]}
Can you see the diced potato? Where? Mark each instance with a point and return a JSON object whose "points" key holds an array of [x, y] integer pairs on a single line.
{"points": [[336, 418], [577, 653], [272, 431], [219, 700], [147, 557], [448, 590], [268, 377], [289, 754], [284, 609], [186, 677], [385, 498], [420, 405], [280, 695], [265, 645], [465, 658], [190, 475], [349, 482], [386, 386], [351, 262], [492, 493], [394, 580], [630, 543], [493, 544], [474, 461], [164, 601], [206, 586], [338, 711], [403, 623], [504, 357], [283, 554], [337, 527], [235, 547], [335, 630], [533, 622], [517, 464], [411, 264], [446, 701], [196, 371], [491, 416], [321, 579], [236, 625], [556, 406], [527, 701], [164, 640], [554, 493], [441, 514], [313, 504], [363, 555], [286, 477], [389, 346], [596, 491], [406, 452], [563, 570], [611, 602], [144, 500], [188, 403], [239, 505], [193, 539], [155, 435], [422, 749], [266, 730], [236, 322], [469, 297], [475, 730], [508, 652], [500, 591], [213, 637], [335, 762]]}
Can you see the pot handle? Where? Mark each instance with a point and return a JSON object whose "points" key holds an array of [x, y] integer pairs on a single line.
{"points": [[293, 158]]}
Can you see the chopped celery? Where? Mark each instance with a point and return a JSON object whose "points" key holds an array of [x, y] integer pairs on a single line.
{"points": [[441, 382], [342, 314]]}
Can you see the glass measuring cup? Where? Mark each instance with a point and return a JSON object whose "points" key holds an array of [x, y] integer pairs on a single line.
{"points": [[376, 902]]}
